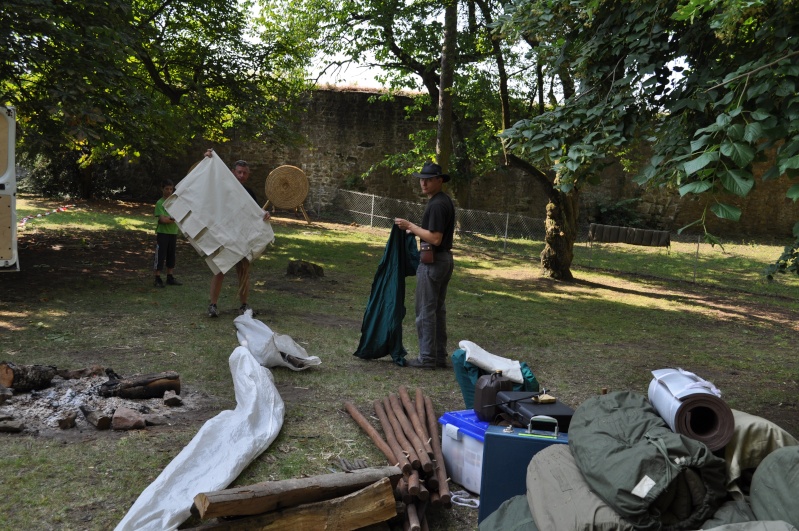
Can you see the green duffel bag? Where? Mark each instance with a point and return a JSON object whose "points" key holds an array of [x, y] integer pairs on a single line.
{"points": [[654, 478]]}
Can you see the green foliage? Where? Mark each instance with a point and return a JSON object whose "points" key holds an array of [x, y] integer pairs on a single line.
{"points": [[710, 86], [788, 262], [140, 80], [621, 213]]}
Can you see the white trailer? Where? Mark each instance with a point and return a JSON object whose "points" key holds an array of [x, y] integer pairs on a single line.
{"points": [[8, 191]]}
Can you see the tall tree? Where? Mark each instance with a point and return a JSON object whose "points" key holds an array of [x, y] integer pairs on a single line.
{"points": [[709, 85], [137, 79]]}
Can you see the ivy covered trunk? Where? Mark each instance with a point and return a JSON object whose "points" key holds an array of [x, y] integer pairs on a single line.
{"points": [[561, 233]]}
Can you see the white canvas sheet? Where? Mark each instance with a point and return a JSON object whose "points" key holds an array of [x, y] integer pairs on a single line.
{"points": [[269, 348], [218, 216], [223, 447]]}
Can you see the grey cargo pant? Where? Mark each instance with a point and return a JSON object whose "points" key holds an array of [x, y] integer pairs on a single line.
{"points": [[431, 311]]}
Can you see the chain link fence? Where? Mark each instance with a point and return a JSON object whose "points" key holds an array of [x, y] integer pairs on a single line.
{"points": [[688, 258]]}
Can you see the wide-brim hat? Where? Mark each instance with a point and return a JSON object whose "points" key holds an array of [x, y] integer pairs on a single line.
{"points": [[429, 170]]}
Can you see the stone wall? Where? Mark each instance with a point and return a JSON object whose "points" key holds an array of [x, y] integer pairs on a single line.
{"points": [[346, 133]]}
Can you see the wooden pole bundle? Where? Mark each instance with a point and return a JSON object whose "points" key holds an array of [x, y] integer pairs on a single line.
{"points": [[410, 441]]}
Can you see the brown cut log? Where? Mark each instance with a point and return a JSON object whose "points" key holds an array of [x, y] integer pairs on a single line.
{"points": [[399, 433], [412, 515], [142, 386], [269, 495], [26, 377], [413, 482], [100, 421], [423, 494], [74, 374], [391, 438], [416, 423], [358, 417], [435, 499], [410, 432], [368, 506], [402, 489], [441, 470]]}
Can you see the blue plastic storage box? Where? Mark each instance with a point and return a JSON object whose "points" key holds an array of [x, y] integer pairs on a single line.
{"points": [[462, 436]]}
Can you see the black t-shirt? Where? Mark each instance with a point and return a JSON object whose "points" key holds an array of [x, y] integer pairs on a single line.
{"points": [[251, 192], [439, 216]]}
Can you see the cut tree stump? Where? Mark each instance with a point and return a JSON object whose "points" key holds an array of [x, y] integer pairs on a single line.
{"points": [[268, 496], [26, 377], [371, 505], [142, 386]]}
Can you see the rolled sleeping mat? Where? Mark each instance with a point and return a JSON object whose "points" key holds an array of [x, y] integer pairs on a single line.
{"points": [[692, 407]]}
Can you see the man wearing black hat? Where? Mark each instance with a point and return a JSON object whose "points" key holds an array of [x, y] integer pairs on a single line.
{"points": [[437, 229]]}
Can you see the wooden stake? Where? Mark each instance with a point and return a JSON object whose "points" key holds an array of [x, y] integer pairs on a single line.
{"points": [[416, 423], [391, 438], [407, 447], [371, 432], [441, 472], [410, 432]]}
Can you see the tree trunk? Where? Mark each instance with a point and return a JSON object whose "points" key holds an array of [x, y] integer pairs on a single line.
{"points": [[444, 133], [561, 233], [560, 225]]}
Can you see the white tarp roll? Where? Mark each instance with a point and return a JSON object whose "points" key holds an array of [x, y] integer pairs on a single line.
{"points": [[224, 446], [269, 348], [512, 369], [692, 407], [217, 215]]}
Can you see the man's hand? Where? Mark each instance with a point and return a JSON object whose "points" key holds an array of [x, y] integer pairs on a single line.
{"points": [[267, 215], [209, 152], [403, 224]]}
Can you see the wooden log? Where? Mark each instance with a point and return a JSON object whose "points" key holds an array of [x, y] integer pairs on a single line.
{"points": [[413, 482], [269, 495], [26, 377], [402, 488], [359, 419], [368, 506], [399, 433], [420, 412], [86, 372], [441, 470], [410, 433], [413, 518], [98, 420], [419, 428], [423, 494], [142, 386], [391, 438], [431, 480], [435, 499]]}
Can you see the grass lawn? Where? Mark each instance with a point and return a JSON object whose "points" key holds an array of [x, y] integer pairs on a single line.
{"points": [[84, 296]]}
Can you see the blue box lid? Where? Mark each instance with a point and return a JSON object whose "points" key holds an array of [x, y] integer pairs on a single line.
{"points": [[467, 422]]}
